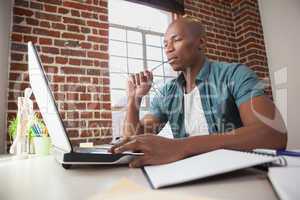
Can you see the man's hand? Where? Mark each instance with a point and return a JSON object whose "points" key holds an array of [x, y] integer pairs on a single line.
{"points": [[139, 84], [156, 149]]}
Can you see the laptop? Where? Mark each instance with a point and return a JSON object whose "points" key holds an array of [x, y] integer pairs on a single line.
{"points": [[63, 151]]}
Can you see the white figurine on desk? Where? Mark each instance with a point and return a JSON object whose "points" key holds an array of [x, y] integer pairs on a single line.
{"points": [[21, 143]]}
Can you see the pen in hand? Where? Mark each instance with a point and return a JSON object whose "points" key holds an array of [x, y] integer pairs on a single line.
{"points": [[154, 68]]}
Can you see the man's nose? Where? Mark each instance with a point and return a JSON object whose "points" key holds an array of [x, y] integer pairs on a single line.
{"points": [[169, 47]]}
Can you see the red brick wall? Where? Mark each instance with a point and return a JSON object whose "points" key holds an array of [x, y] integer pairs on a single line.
{"points": [[217, 19], [79, 75], [250, 38], [234, 32]]}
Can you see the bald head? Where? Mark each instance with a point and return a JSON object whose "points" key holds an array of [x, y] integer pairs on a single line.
{"points": [[184, 44], [191, 25]]}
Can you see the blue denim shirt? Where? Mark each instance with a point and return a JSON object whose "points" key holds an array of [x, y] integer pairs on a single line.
{"points": [[223, 88]]}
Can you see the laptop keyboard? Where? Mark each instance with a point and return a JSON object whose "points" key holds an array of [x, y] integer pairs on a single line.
{"points": [[97, 149], [102, 149]]}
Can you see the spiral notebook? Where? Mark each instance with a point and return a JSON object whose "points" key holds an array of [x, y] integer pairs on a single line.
{"points": [[205, 165], [285, 181]]}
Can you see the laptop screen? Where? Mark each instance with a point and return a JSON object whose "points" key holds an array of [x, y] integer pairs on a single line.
{"points": [[44, 98]]}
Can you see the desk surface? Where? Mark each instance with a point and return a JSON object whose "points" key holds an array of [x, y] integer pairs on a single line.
{"points": [[42, 178]]}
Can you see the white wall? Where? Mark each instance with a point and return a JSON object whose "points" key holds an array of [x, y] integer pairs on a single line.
{"points": [[5, 21], [281, 25]]}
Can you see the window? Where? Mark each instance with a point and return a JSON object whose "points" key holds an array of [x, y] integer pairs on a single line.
{"points": [[136, 44]]}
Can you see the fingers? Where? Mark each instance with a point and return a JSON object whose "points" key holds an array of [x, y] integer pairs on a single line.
{"points": [[132, 143], [144, 77], [138, 162], [135, 144], [130, 84], [129, 146], [122, 142], [132, 79], [149, 75], [137, 79]]}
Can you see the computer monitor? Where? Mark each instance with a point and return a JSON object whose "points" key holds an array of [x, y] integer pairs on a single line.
{"points": [[45, 100]]}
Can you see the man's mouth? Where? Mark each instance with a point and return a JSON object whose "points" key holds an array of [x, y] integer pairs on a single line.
{"points": [[172, 59]]}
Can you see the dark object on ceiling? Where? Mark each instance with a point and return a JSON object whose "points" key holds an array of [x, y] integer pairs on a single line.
{"points": [[175, 6]]}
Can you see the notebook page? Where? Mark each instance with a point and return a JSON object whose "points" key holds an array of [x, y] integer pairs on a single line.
{"points": [[203, 165], [286, 181]]}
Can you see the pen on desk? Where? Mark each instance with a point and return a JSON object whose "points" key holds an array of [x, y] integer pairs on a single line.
{"points": [[288, 153], [39, 129], [280, 152], [35, 131]]}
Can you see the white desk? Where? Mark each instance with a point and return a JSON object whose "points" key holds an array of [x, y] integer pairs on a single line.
{"points": [[42, 178]]}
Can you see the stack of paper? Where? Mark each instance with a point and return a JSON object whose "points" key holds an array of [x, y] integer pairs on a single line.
{"points": [[286, 182], [204, 165]]}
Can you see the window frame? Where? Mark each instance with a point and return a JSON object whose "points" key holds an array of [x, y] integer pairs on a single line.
{"points": [[144, 59]]}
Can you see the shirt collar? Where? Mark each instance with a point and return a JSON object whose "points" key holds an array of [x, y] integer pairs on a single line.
{"points": [[202, 75]]}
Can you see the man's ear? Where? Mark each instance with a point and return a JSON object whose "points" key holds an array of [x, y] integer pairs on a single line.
{"points": [[201, 43]]}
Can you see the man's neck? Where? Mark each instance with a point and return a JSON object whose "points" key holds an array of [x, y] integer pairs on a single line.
{"points": [[191, 73]]}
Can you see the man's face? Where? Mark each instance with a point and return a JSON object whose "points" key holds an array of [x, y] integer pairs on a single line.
{"points": [[181, 47]]}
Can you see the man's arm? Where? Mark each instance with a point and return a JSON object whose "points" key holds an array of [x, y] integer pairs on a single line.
{"points": [[137, 87], [263, 128], [132, 119], [134, 126]]}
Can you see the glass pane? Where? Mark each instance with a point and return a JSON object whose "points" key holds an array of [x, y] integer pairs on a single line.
{"points": [[118, 98], [164, 56], [118, 81], [153, 40], [136, 15], [157, 71], [117, 34], [154, 53], [169, 71], [117, 64], [135, 65], [135, 50], [133, 36], [117, 48]]}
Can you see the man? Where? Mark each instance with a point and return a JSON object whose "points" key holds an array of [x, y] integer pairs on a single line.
{"points": [[209, 106]]}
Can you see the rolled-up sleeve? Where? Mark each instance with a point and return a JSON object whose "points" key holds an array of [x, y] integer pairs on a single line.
{"points": [[157, 108], [245, 84]]}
